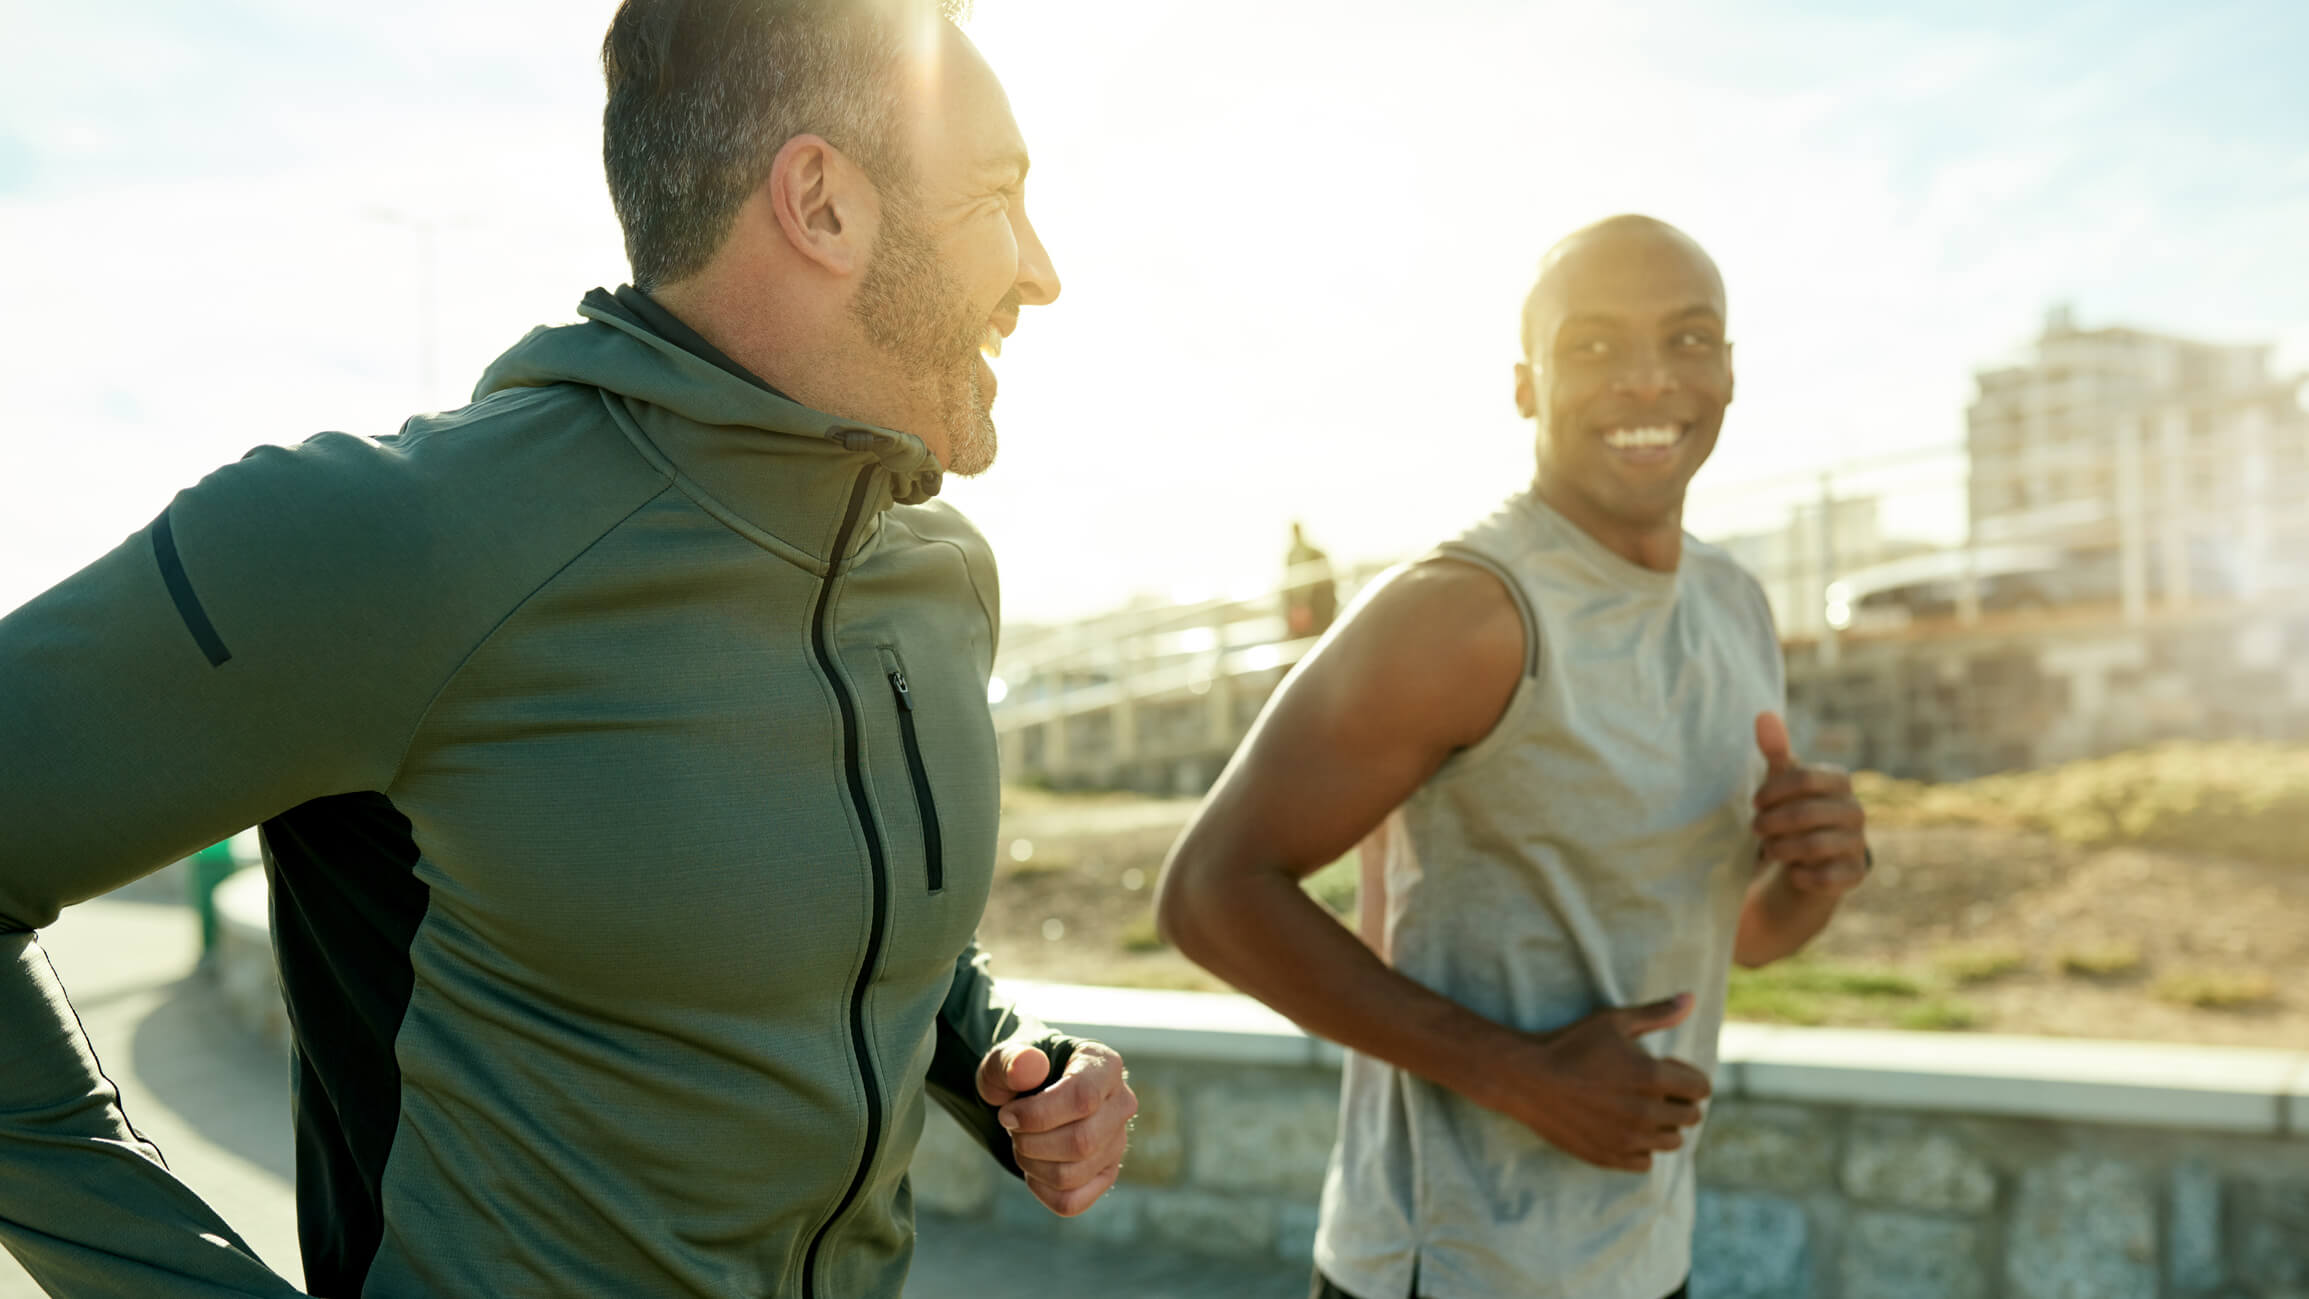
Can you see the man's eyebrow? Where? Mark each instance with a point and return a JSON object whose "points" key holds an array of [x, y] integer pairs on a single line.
{"points": [[1592, 320], [1707, 309]]}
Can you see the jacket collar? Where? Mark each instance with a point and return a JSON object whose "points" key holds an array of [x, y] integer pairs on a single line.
{"points": [[778, 466]]}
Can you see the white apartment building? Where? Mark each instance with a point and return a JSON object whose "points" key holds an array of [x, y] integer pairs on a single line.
{"points": [[2188, 457]]}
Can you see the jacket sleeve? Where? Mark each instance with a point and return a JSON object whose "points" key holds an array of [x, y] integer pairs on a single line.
{"points": [[85, 1203], [243, 654], [975, 1017]]}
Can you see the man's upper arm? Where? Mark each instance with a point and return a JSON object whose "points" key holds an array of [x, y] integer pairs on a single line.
{"points": [[254, 647], [1421, 669]]}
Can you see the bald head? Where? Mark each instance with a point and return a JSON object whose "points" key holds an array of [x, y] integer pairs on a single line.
{"points": [[1627, 371], [1624, 243]]}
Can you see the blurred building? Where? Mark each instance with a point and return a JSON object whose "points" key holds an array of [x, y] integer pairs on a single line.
{"points": [[1820, 541], [2196, 454]]}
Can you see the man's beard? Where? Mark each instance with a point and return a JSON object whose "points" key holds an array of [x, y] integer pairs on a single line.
{"points": [[912, 309]]}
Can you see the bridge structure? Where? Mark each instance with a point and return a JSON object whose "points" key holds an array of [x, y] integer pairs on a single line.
{"points": [[2159, 619], [1156, 699], [1152, 698]]}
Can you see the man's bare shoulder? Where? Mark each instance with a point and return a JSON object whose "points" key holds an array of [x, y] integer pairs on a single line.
{"points": [[1445, 641], [1441, 599]]}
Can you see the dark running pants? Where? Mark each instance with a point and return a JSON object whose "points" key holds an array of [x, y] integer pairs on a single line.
{"points": [[1325, 1290]]}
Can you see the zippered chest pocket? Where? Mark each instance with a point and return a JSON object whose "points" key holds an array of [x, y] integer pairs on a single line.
{"points": [[925, 802]]}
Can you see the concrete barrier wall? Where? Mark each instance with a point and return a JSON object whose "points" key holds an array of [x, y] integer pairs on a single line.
{"points": [[1836, 1164]]}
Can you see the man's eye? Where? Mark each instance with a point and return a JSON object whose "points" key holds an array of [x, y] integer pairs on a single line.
{"points": [[1696, 340], [1589, 347]]}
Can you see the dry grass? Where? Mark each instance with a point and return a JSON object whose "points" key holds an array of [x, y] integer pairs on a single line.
{"points": [[1940, 1016], [2128, 897], [1979, 964], [1140, 936], [1337, 885], [1806, 991], [2216, 989], [2101, 960], [2242, 800]]}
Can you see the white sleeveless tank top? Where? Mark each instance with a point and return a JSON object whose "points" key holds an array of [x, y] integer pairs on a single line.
{"points": [[1592, 851]]}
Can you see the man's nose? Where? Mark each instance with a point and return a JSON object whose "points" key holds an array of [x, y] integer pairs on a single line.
{"points": [[1645, 374], [1037, 276]]}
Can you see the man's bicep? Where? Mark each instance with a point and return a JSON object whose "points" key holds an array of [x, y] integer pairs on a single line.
{"points": [[123, 747], [1419, 671], [201, 677]]}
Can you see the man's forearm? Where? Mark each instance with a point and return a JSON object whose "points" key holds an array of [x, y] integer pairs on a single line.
{"points": [[1779, 919], [1261, 932], [85, 1204]]}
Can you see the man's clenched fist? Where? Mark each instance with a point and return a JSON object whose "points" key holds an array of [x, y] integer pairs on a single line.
{"points": [[1808, 817], [1070, 1136]]}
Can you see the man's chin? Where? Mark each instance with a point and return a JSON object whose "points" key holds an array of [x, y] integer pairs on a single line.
{"points": [[972, 451], [971, 442]]}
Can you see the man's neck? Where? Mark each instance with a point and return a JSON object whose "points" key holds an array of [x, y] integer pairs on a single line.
{"points": [[677, 331], [813, 358], [1656, 544]]}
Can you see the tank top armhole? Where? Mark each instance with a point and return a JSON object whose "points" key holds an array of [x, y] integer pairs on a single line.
{"points": [[1526, 685]]}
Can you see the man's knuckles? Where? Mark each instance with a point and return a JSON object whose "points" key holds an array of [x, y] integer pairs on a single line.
{"points": [[1804, 782], [1077, 1202], [1812, 846], [1070, 1175], [1069, 1201], [1067, 1101], [1806, 816], [1074, 1142], [1828, 877]]}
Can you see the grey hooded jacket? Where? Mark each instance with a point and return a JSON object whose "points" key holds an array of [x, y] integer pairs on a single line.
{"points": [[628, 791]]}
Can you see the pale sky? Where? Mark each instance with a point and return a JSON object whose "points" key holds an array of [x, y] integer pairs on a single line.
{"points": [[1294, 236]]}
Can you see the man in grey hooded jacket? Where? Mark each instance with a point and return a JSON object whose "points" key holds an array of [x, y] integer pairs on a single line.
{"points": [[620, 740]]}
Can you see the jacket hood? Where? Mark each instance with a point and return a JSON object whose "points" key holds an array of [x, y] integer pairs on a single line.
{"points": [[612, 351]]}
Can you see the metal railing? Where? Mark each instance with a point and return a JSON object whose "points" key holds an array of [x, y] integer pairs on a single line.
{"points": [[2144, 517]]}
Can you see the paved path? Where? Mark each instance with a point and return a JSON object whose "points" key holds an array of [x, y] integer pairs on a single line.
{"points": [[216, 1102]]}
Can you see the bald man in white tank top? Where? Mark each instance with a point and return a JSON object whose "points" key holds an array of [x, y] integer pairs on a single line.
{"points": [[1561, 732]]}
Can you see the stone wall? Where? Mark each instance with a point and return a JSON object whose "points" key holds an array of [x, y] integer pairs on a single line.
{"points": [[1888, 1204], [1835, 1165]]}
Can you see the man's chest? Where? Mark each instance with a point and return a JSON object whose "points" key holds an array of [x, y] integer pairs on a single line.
{"points": [[742, 785]]}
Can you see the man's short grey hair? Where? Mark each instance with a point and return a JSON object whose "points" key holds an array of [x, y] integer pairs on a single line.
{"points": [[704, 93]]}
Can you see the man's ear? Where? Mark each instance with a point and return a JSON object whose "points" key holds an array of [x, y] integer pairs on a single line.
{"points": [[1731, 376], [1526, 392], [821, 202]]}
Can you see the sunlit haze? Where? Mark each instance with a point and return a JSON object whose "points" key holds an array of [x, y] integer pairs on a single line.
{"points": [[1294, 235]]}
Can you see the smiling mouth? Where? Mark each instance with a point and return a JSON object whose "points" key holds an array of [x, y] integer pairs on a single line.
{"points": [[1648, 437]]}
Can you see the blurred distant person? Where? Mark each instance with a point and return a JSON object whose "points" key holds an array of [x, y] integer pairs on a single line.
{"points": [[620, 741], [203, 872], [1310, 593], [1558, 739]]}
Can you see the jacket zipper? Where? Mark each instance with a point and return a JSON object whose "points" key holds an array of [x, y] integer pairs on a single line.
{"points": [[854, 770], [924, 803]]}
